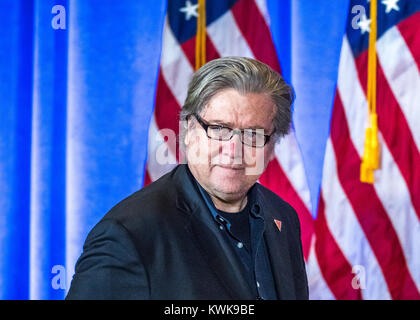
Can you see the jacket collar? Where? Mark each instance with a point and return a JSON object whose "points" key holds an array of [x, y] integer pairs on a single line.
{"points": [[209, 238]]}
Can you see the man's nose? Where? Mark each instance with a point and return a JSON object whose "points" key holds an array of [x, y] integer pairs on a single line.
{"points": [[233, 147]]}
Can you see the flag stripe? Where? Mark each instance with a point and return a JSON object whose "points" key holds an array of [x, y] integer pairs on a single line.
{"points": [[147, 179], [370, 212], [335, 268], [188, 47], [318, 287], [211, 51], [288, 155], [257, 33], [399, 138], [232, 45], [174, 66], [352, 97], [167, 117], [409, 31], [395, 198], [262, 6], [397, 73]]}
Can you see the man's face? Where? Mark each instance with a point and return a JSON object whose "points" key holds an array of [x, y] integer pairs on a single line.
{"points": [[228, 169]]}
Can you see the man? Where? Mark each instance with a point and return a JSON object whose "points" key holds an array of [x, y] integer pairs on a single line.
{"points": [[206, 230]]}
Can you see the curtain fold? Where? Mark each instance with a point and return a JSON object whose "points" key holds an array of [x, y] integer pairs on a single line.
{"points": [[75, 106], [15, 147]]}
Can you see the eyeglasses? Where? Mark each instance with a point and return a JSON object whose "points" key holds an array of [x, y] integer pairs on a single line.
{"points": [[249, 137]]}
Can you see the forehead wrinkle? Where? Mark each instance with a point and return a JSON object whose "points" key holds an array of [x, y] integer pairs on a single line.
{"points": [[233, 108]]}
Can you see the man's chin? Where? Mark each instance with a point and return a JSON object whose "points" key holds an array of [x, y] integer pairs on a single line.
{"points": [[230, 192]]}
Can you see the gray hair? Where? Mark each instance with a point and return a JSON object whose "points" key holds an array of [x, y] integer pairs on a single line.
{"points": [[246, 76]]}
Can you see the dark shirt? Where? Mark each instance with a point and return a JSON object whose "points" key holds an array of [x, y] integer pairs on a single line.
{"points": [[239, 225], [246, 236]]}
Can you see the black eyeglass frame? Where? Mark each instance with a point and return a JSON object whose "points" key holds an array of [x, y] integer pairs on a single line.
{"points": [[232, 131]]}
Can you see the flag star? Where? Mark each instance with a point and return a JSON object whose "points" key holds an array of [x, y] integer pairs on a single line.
{"points": [[391, 5], [364, 24], [190, 10]]}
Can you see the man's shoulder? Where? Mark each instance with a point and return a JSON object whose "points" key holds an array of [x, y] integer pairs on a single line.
{"points": [[150, 201], [271, 199]]}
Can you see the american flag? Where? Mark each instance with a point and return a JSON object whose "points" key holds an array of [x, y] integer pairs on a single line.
{"points": [[368, 233], [367, 243]]}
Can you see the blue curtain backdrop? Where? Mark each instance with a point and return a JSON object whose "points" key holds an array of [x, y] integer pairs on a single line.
{"points": [[75, 105]]}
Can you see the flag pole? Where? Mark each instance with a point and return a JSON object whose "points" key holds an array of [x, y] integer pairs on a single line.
{"points": [[200, 39], [370, 160]]}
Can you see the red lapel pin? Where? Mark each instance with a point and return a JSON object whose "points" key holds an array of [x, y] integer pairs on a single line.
{"points": [[278, 224]]}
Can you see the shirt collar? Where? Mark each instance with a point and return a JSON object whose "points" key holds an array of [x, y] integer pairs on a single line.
{"points": [[252, 195]]}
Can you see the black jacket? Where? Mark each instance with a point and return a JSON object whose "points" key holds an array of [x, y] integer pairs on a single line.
{"points": [[158, 244]]}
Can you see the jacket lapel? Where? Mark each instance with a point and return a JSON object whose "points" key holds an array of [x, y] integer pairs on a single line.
{"points": [[277, 246], [219, 254], [221, 258]]}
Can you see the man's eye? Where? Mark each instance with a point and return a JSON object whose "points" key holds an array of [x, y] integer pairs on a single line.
{"points": [[216, 128], [250, 133]]}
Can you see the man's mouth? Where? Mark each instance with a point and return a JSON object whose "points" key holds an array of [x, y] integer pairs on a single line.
{"points": [[231, 167]]}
